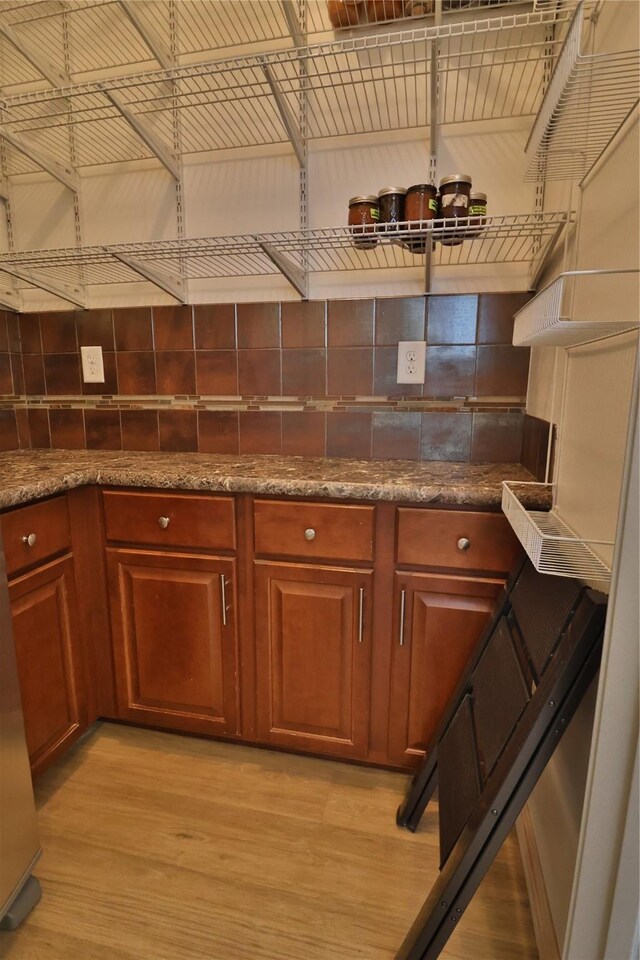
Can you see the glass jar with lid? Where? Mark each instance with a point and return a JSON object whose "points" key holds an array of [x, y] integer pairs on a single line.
{"points": [[364, 215], [455, 191], [421, 203], [477, 213], [391, 203]]}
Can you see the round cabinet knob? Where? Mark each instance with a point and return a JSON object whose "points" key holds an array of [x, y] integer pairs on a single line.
{"points": [[30, 539], [310, 534], [163, 522], [463, 543]]}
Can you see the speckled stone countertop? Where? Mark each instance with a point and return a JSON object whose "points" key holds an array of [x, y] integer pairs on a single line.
{"points": [[31, 475]]}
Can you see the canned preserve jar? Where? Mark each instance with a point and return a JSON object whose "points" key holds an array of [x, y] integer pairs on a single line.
{"points": [[391, 203], [364, 214], [477, 213], [421, 203], [455, 191]]}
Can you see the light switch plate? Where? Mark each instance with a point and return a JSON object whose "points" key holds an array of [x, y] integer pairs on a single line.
{"points": [[92, 365], [411, 361]]}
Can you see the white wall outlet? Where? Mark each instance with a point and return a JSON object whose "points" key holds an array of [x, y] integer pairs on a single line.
{"points": [[411, 360], [92, 365]]}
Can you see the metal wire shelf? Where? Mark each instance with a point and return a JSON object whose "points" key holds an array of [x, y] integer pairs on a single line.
{"points": [[588, 99], [487, 69], [550, 543], [547, 319], [168, 263]]}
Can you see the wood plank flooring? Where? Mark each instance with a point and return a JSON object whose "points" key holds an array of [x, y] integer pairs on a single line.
{"points": [[161, 847]]}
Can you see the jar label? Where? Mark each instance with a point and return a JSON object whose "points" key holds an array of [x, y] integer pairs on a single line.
{"points": [[433, 205], [478, 209], [375, 213], [455, 200]]}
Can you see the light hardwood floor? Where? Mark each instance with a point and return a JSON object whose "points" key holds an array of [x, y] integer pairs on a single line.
{"points": [[160, 847]]}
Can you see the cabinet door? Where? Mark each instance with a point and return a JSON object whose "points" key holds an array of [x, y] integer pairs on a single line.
{"points": [[443, 619], [174, 639], [313, 651], [44, 613]]}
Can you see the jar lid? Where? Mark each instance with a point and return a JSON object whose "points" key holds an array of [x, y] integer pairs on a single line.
{"points": [[423, 186], [456, 178], [368, 198], [476, 195], [387, 190]]}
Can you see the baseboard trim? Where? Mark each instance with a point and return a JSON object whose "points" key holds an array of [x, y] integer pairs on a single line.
{"points": [[543, 927]]}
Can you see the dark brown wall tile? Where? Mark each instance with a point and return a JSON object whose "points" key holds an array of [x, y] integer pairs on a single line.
{"points": [[452, 319], [497, 437], [259, 373], [17, 372], [62, 374], [502, 371], [6, 377], [95, 329], [495, 315], [178, 430], [136, 373], [59, 332], [304, 373], [110, 385], [13, 332], [4, 336], [535, 444], [33, 366], [396, 436], [385, 370], [445, 436], [39, 429], [258, 325], [218, 431], [303, 434], [173, 328], [133, 329], [175, 372], [67, 429], [215, 326], [303, 323], [449, 371], [260, 432], [349, 435], [350, 371], [350, 323], [399, 318], [139, 429], [30, 333], [8, 430], [22, 424], [217, 372], [103, 429]]}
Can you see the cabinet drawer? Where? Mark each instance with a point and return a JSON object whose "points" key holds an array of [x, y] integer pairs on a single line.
{"points": [[170, 520], [456, 539], [326, 530], [46, 523]]}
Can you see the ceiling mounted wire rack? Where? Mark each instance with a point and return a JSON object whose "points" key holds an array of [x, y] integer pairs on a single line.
{"points": [[487, 68], [588, 99], [168, 263]]}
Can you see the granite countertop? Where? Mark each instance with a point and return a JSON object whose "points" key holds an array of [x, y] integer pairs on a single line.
{"points": [[31, 475]]}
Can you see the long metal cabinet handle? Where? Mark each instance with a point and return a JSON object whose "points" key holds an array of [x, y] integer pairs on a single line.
{"points": [[361, 615], [403, 597], [223, 596]]}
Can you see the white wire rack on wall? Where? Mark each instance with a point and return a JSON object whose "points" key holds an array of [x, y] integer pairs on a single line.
{"points": [[588, 99], [550, 543], [72, 273]]}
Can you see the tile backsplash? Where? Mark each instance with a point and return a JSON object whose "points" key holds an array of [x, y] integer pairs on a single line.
{"points": [[312, 379]]}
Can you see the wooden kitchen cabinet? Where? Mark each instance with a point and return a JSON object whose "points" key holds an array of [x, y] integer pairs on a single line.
{"points": [[48, 653], [437, 621], [313, 656], [173, 619]]}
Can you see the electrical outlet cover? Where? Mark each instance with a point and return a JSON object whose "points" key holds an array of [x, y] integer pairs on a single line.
{"points": [[92, 365], [411, 361]]}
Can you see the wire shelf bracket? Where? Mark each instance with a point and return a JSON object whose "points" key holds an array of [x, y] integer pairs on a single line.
{"points": [[10, 300], [157, 47], [550, 543], [4, 188], [160, 278], [289, 121], [293, 23], [168, 160], [66, 175], [296, 276], [38, 61], [58, 288]]}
